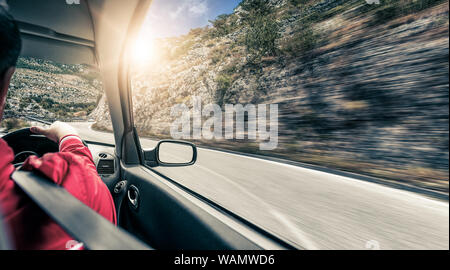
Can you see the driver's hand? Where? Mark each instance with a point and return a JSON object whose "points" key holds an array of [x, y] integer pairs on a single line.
{"points": [[56, 131]]}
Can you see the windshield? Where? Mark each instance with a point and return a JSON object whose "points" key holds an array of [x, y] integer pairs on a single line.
{"points": [[44, 91]]}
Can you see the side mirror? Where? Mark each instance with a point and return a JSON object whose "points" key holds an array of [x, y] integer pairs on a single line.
{"points": [[169, 153]]}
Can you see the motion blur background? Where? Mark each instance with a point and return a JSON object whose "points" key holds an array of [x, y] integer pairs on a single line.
{"points": [[361, 87]]}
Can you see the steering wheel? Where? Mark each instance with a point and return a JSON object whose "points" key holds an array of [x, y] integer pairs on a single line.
{"points": [[25, 143]]}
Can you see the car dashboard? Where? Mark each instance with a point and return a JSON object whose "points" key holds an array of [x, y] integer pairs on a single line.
{"points": [[107, 163]]}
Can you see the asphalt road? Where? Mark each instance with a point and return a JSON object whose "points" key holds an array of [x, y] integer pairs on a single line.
{"points": [[314, 209]]}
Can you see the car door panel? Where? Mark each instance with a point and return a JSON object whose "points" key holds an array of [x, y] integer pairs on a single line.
{"points": [[168, 218]]}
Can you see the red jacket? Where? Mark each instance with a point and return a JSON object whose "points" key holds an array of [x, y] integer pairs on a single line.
{"points": [[73, 168]]}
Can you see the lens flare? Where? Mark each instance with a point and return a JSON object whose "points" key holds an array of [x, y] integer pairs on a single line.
{"points": [[143, 51]]}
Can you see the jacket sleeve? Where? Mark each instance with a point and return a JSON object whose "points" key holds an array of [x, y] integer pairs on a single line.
{"points": [[73, 168], [73, 144], [8, 198], [73, 155]]}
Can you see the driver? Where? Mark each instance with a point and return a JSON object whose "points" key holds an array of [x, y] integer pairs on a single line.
{"points": [[72, 168]]}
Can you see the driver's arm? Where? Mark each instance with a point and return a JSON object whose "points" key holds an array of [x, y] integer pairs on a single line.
{"points": [[72, 168], [69, 143], [67, 138]]}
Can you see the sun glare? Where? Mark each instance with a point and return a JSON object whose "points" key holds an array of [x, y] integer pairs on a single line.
{"points": [[143, 51]]}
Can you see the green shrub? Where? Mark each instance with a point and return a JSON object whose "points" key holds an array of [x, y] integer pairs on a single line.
{"points": [[262, 29], [302, 42], [224, 82], [255, 8], [261, 37], [223, 25]]}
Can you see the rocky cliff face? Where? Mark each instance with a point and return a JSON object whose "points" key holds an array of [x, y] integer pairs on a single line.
{"points": [[50, 90], [367, 91]]}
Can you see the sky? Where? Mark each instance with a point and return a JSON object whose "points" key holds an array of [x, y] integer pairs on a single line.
{"points": [[169, 18]]}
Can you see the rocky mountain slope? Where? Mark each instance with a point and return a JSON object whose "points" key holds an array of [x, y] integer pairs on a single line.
{"points": [[50, 90], [360, 87]]}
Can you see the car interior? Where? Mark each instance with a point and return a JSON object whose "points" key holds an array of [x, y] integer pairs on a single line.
{"points": [[151, 209]]}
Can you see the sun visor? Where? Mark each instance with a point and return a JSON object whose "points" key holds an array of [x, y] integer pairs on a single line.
{"points": [[57, 30]]}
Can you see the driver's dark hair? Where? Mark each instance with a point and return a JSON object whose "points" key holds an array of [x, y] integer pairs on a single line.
{"points": [[10, 41]]}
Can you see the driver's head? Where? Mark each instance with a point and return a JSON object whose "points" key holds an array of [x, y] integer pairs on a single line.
{"points": [[10, 46]]}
